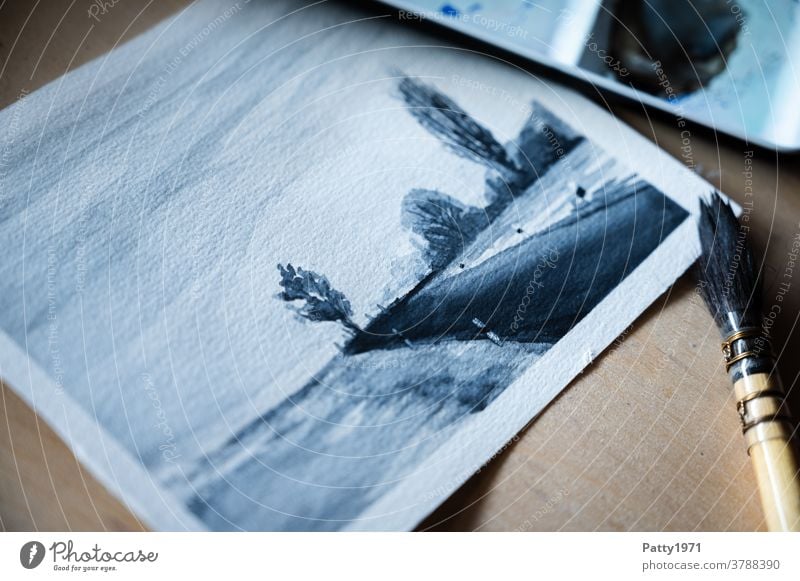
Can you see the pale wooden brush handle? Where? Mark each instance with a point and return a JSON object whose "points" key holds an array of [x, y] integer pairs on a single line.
{"points": [[768, 433]]}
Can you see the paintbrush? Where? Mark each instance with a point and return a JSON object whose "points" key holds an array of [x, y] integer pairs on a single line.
{"points": [[730, 285]]}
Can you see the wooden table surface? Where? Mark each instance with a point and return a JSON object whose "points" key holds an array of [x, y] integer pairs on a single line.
{"points": [[647, 438]]}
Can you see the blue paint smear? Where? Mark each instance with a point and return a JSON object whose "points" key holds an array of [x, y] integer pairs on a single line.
{"points": [[449, 10]]}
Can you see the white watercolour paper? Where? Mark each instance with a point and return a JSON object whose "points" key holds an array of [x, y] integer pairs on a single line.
{"points": [[284, 267]]}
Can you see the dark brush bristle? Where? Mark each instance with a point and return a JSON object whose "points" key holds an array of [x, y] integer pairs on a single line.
{"points": [[726, 270]]}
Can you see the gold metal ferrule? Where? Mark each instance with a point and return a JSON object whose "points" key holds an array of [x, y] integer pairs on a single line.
{"points": [[761, 408], [728, 346]]}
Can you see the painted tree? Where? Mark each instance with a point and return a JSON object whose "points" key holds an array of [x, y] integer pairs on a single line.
{"points": [[320, 301]]}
